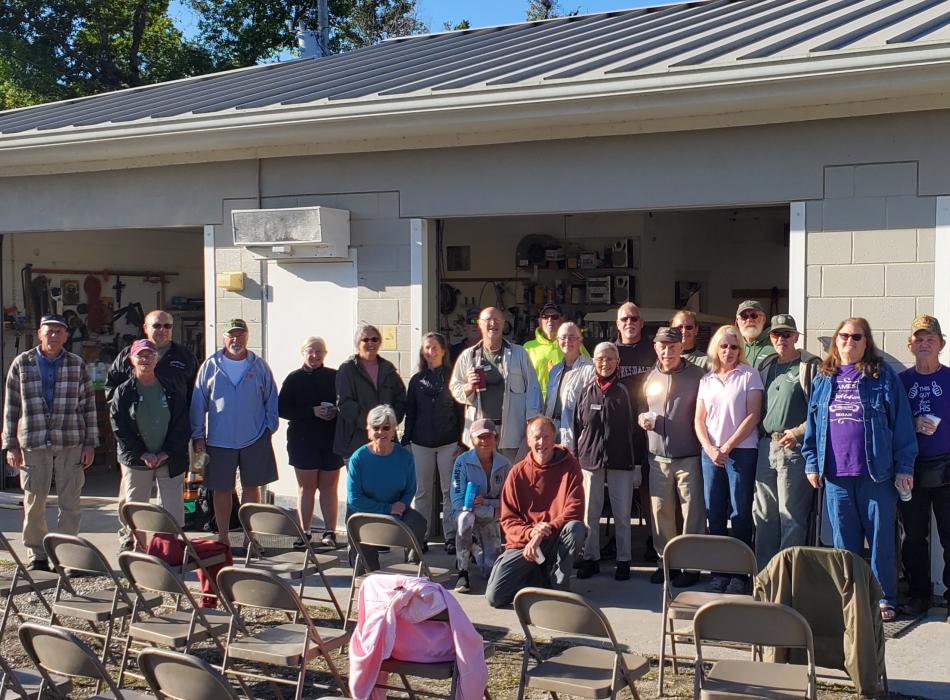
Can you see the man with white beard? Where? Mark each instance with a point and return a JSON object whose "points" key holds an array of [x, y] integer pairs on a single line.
{"points": [[750, 320]]}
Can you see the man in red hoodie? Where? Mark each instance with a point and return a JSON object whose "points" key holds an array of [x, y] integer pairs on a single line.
{"points": [[542, 513]]}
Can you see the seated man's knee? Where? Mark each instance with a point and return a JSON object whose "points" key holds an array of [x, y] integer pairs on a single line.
{"points": [[574, 533]]}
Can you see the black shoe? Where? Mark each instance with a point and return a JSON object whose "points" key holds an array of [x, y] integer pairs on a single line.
{"points": [[329, 539], [737, 586], [450, 547], [685, 579], [38, 565], [300, 544], [915, 607], [125, 547], [657, 576], [718, 584], [412, 557], [463, 585], [649, 553], [588, 568], [622, 572]]}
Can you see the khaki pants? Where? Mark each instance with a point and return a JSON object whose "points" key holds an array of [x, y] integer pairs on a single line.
{"points": [[620, 491], [36, 475], [137, 488], [676, 482]]}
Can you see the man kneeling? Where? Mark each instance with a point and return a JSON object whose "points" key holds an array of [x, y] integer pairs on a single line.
{"points": [[542, 508]]}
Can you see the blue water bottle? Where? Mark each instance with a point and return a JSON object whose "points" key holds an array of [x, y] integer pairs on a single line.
{"points": [[470, 492]]}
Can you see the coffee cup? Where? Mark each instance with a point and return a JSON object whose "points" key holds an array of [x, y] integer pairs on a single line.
{"points": [[649, 420], [481, 379]]}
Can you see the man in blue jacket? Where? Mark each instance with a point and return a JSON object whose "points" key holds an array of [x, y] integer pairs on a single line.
{"points": [[233, 416]]}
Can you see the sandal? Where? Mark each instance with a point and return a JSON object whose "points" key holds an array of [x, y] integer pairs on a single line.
{"points": [[887, 612]]}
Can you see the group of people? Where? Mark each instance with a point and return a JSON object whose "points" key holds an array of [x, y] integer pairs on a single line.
{"points": [[525, 440]]}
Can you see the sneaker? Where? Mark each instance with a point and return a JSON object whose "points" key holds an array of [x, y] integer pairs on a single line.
{"points": [[737, 586], [657, 576], [588, 568], [623, 571], [462, 585], [38, 565], [329, 539], [718, 584], [915, 606], [450, 547], [300, 544], [686, 579]]}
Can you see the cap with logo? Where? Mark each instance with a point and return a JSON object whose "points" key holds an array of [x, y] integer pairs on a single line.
{"points": [[49, 319], [483, 426], [235, 324], [783, 322], [750, 304], [925, 322], [142, 345], [665, 334], [550, 309]]}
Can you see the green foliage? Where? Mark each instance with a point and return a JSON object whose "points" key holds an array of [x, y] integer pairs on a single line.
{"points": [[546, 9], [462, 24]]}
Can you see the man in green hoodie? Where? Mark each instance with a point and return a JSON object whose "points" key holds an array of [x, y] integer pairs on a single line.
{"points": [[544, 351]]}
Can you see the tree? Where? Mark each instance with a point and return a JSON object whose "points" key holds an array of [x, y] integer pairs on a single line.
{"points": [[546, 9], [462, 24], [245, 32], [57, 49]]}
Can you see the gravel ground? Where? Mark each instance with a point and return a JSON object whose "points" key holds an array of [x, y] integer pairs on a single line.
{"points": [[504, 667]]}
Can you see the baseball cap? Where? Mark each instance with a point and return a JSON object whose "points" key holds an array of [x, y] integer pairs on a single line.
{"points": [[140, 345], [925, 322], [665, 334], [750, 304], [550, 308], [235, 324], [783, 322], [53, 318], [483, 426]]}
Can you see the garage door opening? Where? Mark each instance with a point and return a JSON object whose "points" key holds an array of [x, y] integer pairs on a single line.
{"points": [[704, 260]]}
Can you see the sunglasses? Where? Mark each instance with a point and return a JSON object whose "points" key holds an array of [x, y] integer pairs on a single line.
{"points": [[629, 319], [551, 318], [728, 346], [685, 327], [749, 315], [856, 337], [166, 326], [781, 334], [369, 340]]}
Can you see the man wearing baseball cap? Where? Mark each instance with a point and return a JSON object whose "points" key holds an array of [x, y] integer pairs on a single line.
{"points": [[49, 430], [544, 351], [750, 320], [928, 388], [150, 420], [233, 416]]}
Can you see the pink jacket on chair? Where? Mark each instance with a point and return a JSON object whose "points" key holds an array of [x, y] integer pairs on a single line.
{"points": [[393, 622]]}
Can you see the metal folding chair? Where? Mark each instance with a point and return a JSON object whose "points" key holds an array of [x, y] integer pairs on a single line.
{"points": [[25, 683], [365, 530], [696, 553], [22, 582], [174, 676], [580, 670], [757, 624], [57, 651], [289, 645], [262, 519]]}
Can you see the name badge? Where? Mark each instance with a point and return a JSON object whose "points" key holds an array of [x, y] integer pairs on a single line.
{"points": [[595, 407]]}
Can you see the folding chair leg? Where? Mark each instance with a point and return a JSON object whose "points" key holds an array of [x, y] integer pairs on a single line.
{"points": [[300, 679], [405, 682], [125, 659], [344, 688], [336, 604], [673, 652]]}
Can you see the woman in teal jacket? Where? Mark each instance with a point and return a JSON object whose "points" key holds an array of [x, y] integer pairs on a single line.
{"points": [[860, 442]]}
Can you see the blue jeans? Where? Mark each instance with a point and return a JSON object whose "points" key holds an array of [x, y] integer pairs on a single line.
{"points": [[729, 492], [860, 508]]}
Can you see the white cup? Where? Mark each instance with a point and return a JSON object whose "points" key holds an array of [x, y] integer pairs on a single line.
{"points": [[933, 419], [649, 419]]}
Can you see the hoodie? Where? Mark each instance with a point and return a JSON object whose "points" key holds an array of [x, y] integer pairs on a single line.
{"points": [[544, 354], [534, 493]]}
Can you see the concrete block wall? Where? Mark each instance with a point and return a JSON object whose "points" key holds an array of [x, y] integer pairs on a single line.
{"points": [[869, 252]]}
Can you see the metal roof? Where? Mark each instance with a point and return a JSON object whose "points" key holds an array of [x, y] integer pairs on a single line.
{"points": [[646, 42]]}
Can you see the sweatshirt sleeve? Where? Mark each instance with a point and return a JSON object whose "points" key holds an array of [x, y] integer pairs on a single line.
{"points": [[199, 405], [573, 508], [513, 524], [459, 484], [292, 400]]}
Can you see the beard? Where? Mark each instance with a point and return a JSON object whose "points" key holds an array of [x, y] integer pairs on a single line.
{"points": [[751, 332]]}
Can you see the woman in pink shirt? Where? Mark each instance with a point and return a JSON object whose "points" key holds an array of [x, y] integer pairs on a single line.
{"points": [[728, 409]]}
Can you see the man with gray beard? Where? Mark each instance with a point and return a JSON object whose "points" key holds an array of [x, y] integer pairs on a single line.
{"points": [[750, 320]]}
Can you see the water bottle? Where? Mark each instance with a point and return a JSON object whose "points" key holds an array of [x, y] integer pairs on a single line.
{"points": [[470, 492]]}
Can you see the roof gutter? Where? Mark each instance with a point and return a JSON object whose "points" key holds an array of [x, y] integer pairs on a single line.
{"points": [[754, 92]]}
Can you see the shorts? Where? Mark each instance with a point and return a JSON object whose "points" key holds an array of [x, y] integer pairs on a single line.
{"points": [[256, 461], [325, 460]]}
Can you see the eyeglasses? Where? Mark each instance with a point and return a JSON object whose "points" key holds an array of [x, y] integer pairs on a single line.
{"points": [[605, 360], [166, 326], [553, 317], [781, 334], [369, 340], [749, 315], [685, 327], [381, 428], [728, 346], [856, 337], [629, 319]]}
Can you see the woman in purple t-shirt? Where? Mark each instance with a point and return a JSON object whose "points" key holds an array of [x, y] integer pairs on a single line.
{"points": [[859, 439]]}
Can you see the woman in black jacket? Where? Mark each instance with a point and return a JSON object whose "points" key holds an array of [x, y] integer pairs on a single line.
{"points": [[307, 400], [433, 430], [363, 382], [152, 429]]}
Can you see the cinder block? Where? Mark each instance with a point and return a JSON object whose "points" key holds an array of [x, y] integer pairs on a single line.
{"points": [[379, 232], [383, 258], [813, 280], [361, 205], [890, 313], [405, 312], [852, 281], [910, 279], [366, 292], [378, 311], [866, 214], [386, 284], [251, 310], [403, 336], [911, 212], [229, 307], [829, 248], [895, 347], [227, 259], [817, 342], [926, 238], [885, 179], [813, 220], [839, 182], [898, 245], [827, 313], [925, 305]]}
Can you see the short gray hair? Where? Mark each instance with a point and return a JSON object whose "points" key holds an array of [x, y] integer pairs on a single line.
{"points": [[569, 326], [605, 346], [381, 415], [362, 329], [312, 340]]}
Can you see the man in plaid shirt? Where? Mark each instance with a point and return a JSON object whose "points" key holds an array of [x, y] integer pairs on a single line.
{"points": [[49, 428]]}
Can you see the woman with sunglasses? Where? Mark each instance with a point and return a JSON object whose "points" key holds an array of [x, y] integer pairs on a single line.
{"points": [[728, 408], [381, 476], [363, 381], [860, 444]]}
